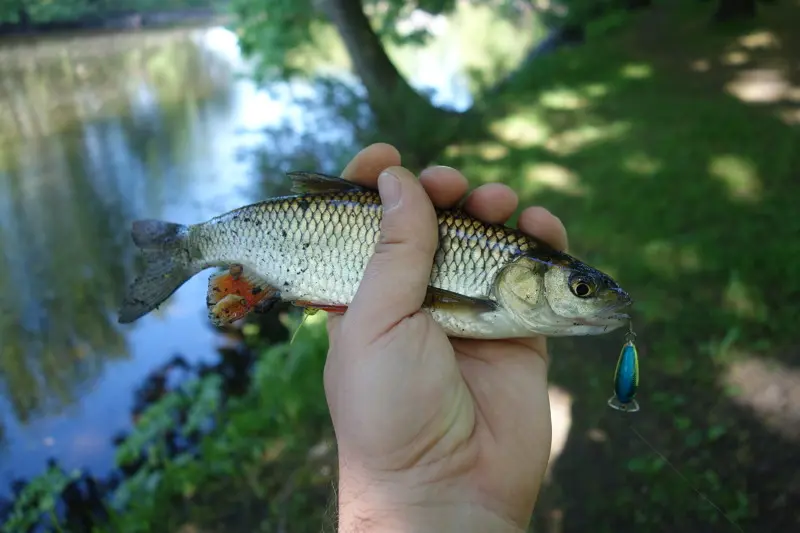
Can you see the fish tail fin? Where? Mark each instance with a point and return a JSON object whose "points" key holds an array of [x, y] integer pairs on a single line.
{"points": [[168, 265], [630, 406]]}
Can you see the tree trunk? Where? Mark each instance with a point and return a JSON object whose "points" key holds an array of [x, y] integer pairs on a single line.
{"points": [[735, 10], [404, 116]]}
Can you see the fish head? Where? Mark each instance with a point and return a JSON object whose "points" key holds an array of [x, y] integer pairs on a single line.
{"points": [[558, 295]]}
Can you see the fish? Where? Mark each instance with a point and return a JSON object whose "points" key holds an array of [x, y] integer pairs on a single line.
{"points": [[626, 379], [311, 248]]}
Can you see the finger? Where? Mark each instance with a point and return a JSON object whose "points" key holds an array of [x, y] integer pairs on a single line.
{"points": [[445, 185], [492, 202], [539, 222], [365, 167], [397, 276]]}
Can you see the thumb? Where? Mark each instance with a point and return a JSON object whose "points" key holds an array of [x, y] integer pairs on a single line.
{"points": [[397, 276]]}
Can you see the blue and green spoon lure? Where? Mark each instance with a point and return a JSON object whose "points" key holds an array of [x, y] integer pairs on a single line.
{"points": [[626, 377]]}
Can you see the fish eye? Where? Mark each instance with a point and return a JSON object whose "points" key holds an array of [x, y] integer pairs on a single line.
{"points": [[581, 287]]}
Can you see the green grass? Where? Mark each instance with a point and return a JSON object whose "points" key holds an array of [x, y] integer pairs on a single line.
{"points": [[688, 197]]}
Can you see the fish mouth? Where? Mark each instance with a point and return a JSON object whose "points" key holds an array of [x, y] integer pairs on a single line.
{"points": [[609, 315], [609, 319]]}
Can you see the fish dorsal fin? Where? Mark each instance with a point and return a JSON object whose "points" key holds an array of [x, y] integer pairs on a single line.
{"points": [[315, 182]]}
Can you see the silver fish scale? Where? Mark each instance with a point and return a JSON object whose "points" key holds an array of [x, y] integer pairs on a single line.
{"points": [[316, 247]]}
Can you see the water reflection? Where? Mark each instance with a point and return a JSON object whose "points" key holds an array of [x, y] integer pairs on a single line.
{"points": [[66, 198], [51, 83], [90, 141]]}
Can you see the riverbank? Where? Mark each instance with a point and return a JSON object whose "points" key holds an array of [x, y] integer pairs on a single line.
{"points": [[112, 23]]}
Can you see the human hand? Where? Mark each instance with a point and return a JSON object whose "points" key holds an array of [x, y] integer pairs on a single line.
{"points": [[433, 433]]}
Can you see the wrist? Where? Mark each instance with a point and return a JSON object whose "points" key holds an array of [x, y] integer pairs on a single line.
{"points": [[397, 507], [464, 518], [428, 518]]}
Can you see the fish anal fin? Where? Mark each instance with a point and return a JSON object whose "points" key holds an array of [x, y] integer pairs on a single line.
{"points": [[316, 306], [444, 299], [315, 182]]}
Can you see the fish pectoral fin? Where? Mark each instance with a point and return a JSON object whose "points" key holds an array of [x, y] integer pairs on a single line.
{"points": [[315, 182], [228, 310], [313, 307], [444, 299]]}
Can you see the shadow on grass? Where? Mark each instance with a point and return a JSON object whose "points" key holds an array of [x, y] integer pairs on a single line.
{"points": [[688, 197]]}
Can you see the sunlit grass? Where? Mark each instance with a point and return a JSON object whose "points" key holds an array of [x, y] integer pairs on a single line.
{"points": [[573, 139], [523, 129], [563, 99], [541, 176], [671, 260], [641, 163], [764, 85], [769, 390], [744, 300], [637, 71], [759, 39], [736, 57], [738, 175], [596, 90]]}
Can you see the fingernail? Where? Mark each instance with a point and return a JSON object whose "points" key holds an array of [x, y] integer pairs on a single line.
{"points": [[389, 189]]}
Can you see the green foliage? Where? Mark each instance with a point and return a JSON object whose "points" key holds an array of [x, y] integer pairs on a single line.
{"points": [[11, 11], [45, 10], [276, 33], [261, 459], [271, 29], [38, 11], [37, 502], [386, 15]]}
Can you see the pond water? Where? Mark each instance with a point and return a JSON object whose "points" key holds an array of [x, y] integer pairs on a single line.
{"points": [[97, 131]]}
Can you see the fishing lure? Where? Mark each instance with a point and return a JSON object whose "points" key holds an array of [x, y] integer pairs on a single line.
{"points": [[626, 377]]}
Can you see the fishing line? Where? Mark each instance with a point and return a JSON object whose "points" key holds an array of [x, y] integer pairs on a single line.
{"points": [[684, 478], [306, 313], [626, 383]]}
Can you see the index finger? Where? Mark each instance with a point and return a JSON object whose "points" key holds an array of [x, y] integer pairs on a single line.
{"points": [[368, 164]]}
